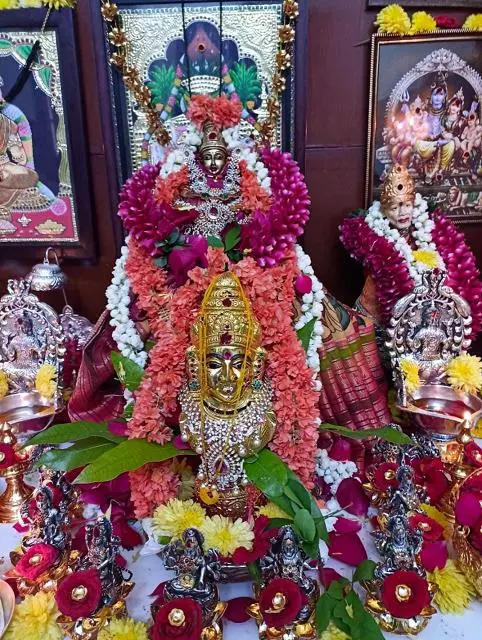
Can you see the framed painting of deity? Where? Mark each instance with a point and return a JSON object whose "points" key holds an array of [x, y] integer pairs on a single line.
{"points": [[425, 114], [186, 48], [44, 188]]}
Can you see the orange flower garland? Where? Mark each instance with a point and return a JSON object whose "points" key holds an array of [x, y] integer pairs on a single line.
{"points": [[255, 198], [167, 189]]}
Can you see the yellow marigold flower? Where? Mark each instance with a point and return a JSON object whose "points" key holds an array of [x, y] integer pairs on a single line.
{"points": [[454, 590], [124, 629], [3, 384], [422, 22], [464, 373], [271, 510], [473, 22], [60, 4], [439, 517], [393, 19], [226, 536], [35, 619], [8, 4], [333, 633], [173, 518], [428, 257], [410, 370], [478, 429], [46, 380]]}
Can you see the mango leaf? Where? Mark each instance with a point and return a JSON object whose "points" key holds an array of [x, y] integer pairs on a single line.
{"points": [[305, 333], [305, 525], [323, 613], [302, 495], [129, 372], [309, 503], [128, 456], [214, 241], [268, 473], [78, 455], [364, 571], [232, 238], [283, 503], [73, 432], [384, 433]]}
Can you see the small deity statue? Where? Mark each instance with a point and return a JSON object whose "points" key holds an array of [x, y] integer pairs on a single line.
{"points": [[398, 241], [404, 498], [398, 545], [197, 571], [226, 405]]}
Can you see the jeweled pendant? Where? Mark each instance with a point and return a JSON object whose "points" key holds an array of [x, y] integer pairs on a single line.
{"points": [[208, 495]]}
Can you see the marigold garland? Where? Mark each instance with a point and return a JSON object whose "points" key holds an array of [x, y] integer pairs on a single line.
{"points": [[422, 22], [473, 22], [393, 19]]}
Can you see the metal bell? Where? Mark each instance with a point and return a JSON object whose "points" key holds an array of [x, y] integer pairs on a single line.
{"points": [[47, 275]]}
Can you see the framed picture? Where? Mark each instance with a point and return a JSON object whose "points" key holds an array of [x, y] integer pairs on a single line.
{"points": [[208, 46], [425, 113], [430, 3], [44, 186]]}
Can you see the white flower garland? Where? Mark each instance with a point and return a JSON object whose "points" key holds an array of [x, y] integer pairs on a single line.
{"points": [[422, 235], [332, 471], [125, 334]]}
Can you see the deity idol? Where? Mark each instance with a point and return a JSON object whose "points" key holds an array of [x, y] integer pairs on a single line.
{"points": [[397, 240], [211, 269]]}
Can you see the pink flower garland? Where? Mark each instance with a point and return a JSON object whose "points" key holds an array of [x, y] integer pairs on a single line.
{"points": [[271, 293], [390, 273], [463, 275], [270, 234]]}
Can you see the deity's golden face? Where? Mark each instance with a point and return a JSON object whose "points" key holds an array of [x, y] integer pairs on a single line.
{"points": [[224, 365], [214, 160], [399, 214]]}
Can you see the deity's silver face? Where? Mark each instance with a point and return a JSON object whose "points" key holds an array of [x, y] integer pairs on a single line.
{"points": [[214, 161]]}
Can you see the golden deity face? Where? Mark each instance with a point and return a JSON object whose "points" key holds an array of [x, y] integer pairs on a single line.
{"points": [[224, 366], [214, 161]]}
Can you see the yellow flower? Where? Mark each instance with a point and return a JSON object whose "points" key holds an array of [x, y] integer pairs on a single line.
{"points": [[410, 370], [422, 22], [272, 510], [428, 257], [35, 619], [439, 517], [3, 384], [226, 536], [333, 633], [464, 373], [478, 429], [30, 4], [8, 4], [454, 590], [46, 380], [173, 518], [124, 629], [473, 22], [393, 19], [60, 4]]}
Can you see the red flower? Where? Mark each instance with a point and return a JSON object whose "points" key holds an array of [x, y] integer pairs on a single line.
{"points": [[36, 561], [181, 618], [352, 498], [429, 473], [476, 535], [434, 555], [347, 548], [261, 543], [280, 602], [473, 454], [468, 509], [7, 456], [236, 610], [405, 594], [78, 595], [183, 259], [431, 529], [446, 22], [303, 284], [328, 575], [386, 476]]}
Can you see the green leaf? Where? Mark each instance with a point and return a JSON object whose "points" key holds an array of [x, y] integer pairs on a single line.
{"points": [[305, 525], [363, 625], [309, 503], [232, 238], [129, 372], [234, 255], [384, 433], [164, 540], [324, 609], [128, 411], [254, 571], [336, 590], [277, 523], [128, 456], [312, 549], [302, 495], [283, 503], [268, 473], [161, 262], [73, 432], [305, 333], [341, 617], [78, 455], [214, 241], [364, 571]]}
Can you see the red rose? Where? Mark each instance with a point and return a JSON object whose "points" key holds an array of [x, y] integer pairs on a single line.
{"points": [[303, 284], [7, 456], [181, 618], [78, 595], [446, 22], [386, 476], [405, 594], [429, 473], [473, 454], [36, 561], [431, 529], [280, 602], [468, 508]]}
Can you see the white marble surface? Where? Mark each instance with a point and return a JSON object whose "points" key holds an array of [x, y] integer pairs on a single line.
{"points": [[148, 572]]}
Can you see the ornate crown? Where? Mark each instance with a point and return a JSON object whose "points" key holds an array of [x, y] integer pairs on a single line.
{"points": [[226, 317], [212, 138], [398, 186]]}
